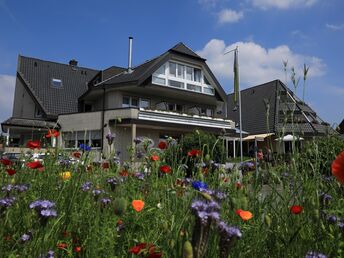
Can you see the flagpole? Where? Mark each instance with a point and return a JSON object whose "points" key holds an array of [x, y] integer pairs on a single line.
{"points": [[237, 91]]}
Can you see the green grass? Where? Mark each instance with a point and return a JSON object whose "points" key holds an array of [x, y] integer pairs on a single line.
{"points": [[166, 219]]}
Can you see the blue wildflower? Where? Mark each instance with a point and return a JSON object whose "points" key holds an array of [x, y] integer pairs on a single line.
{"points": [[199, 185], [84, 147]]}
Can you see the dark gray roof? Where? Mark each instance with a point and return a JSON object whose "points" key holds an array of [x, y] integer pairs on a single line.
{"points": [[254, 109], [183, 49], [256, 118], [133, 77], [24, 122], [143, 71], [111, 71], [38, 74]]}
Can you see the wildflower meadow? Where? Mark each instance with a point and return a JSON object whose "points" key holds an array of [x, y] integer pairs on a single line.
{"points": [[169, 200]]}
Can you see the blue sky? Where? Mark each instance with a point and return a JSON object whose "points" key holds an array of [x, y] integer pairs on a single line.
{"points": [[266, 32]]}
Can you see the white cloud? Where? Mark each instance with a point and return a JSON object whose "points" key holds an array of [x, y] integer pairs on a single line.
{"points": [[7, 85], [229, 16], [335, 26], [282, 4], [257, 64]]}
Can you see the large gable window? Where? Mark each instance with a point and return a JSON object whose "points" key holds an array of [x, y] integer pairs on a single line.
{"points": [[182, 76]]}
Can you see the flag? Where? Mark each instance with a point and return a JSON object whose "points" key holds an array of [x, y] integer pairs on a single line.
{"points": [[236, 78]]}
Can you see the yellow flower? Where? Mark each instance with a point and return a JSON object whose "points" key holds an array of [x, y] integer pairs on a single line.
{"points": [[66, 175]]}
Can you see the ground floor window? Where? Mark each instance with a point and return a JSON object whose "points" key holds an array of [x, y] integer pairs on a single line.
{"points": [[74, 139]]}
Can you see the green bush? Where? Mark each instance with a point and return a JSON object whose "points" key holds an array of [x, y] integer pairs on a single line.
{"points": [[206, 142]]}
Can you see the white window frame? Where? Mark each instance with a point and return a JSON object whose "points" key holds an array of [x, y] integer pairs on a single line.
{"points": [[183, 80]]}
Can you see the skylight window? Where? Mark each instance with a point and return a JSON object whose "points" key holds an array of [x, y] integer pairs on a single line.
{"points": [[56, 83]]}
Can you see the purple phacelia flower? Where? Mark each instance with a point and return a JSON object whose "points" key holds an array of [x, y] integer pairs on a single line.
{"points": [[110, 137], [22, 188], [105, 201], [26, 237], [47, 213], [332, 219], [313, 254], [41, 204], [228, 232], [50, 254], [7, 202], [97, 192], [139, 175], [7, 188], [86, 186]]}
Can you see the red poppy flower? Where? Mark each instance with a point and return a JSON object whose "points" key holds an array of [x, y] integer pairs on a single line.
{"points": [[52, 133], [238, 185], [76, 154], [162, 145], [66, 234], [33, 144], [62, 245], [238, 211], [137, 248], [105, 165], [138, 205], [124, 173], [6, 162], [154, 158], [10, 171], [244, 215], [165, 169], [194, 153], [34, 165], [77, 249], [296, 209], [154, 255], [338, 167]]}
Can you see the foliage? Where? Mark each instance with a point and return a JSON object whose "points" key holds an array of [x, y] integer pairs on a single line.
{"points": [[178, 216], [321, 151], [206, 142]]}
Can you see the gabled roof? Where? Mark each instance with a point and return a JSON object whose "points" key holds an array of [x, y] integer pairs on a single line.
{"points": [[265, 107], [37, 75], [181, 48], [142, 72]]}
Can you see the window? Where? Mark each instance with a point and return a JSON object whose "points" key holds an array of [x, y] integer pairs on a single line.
{"points": [[197, 75], [189, 73], [175, 84], [134, 102], [161, 70], [130, 102], [205, 80], [194, 87], [158, 80], [174, 107], [206, 111], [74, 139], [38, 112], [180, 71], [56, 83], [144, 103], [209, 90], [182, 76], [173, 68], [126, 102]]}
